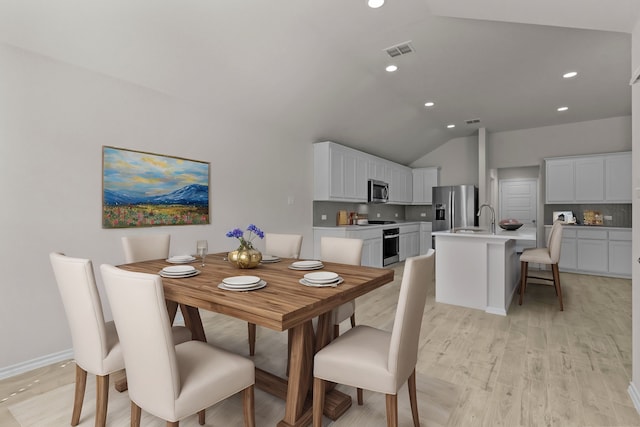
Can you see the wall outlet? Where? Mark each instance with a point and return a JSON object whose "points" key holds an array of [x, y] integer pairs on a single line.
{"points": [[608, 217], [423, 214], [396, 215], [323, 217], [377, 215]]}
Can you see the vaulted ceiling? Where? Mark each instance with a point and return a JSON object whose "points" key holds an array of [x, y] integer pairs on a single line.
{"points": [[317, 68]]}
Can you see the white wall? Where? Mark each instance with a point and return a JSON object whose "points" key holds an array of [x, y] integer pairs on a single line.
{"points": [[634, 388], [54, 120], [458, 158]]}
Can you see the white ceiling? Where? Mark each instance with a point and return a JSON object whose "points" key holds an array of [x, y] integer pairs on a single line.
{"points": [[316, 68]]}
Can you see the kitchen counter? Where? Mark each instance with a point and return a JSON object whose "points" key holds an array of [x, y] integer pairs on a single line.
{"points": [[370, 226], [491, 271]]}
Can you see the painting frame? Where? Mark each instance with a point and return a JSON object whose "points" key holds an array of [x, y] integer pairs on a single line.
{"points": [[144, 189]]}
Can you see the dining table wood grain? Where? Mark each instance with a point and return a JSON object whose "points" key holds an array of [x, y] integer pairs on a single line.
{"points": [[284, 304]]}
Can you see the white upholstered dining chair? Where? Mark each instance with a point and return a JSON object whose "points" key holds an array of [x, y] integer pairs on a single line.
{"points": [[549, 255], [376, 360], [170, 381], [282, 246], [145, 247], [345, 251], [96, 346]]}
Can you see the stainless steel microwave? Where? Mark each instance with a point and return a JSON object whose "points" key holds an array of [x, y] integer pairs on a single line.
{"points": [[378, 191]]}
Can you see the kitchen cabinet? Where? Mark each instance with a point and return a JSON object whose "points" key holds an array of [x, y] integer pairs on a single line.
{"points": [[372, 252], [400, 179], [593, 251], [409, 241], [340, 173], [620, 256], [602, 178], [603, 251], [618, 178], [424, 179], [568, 251], [426, 242]]}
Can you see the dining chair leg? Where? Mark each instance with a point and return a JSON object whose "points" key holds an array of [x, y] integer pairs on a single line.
{"points": [[413, 398], [360, 398], [248, 407], [336, 331], [556, 282], [201, 417], [252, 338], [392, 410], [353, 320], [173, 423], [524, 267], [318, 401], [102, 398], [136, 414], [81, 384]]}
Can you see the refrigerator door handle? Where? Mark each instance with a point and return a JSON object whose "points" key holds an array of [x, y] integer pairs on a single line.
{"points": [[452, 209]]}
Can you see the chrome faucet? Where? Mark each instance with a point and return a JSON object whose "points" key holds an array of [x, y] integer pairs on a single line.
{"points": [[493, 217]]}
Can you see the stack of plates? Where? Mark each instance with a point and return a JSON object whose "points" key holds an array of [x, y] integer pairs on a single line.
{"points": [[180, 259], [321, 279], [179, 271], [242, 283], [306, 265], [268, 259]]}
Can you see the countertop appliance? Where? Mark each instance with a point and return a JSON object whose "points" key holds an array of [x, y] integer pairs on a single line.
{"points": [[378, 191], [390, 246], [454, 206]]}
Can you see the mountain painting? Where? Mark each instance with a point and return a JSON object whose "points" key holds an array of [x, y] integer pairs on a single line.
{"points": [[144, 190]]}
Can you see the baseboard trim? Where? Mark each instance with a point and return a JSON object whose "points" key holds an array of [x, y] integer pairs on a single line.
{"points": [[635, 396], [32, 364]]}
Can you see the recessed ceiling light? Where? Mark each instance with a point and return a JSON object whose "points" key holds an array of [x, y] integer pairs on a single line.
{"points": [[429, 104], [391, 68], [451, 126], [561, 109], [374, 4], [570, 74]]}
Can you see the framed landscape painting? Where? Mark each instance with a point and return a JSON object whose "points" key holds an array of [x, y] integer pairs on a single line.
{"points": [[144, 189]]}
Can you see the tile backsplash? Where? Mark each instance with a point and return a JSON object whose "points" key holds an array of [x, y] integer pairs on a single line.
{"points": [[374, 211], [620, 213]]}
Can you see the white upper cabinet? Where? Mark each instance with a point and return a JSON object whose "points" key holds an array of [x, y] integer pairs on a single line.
{"points": [[589, 182], [340, 173], [601, 178], [400, 179], [618, 178], [560, 180], [424, 179]]}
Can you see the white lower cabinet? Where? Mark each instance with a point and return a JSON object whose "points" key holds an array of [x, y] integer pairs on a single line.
{"points": [[620, 256], [409, 241], [593, 253], [602, 251], [426, 242], [372, 252]]}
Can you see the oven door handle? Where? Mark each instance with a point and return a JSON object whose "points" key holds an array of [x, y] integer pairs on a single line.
{"points": [[391, 236]]}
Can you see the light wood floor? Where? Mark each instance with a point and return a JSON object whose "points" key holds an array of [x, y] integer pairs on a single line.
{"points": [[537, 366]]}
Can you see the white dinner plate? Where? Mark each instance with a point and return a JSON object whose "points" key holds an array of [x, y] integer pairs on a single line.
{"points": [[306, 268], [269, 258], [261, 284], [180, 259], [179, 269], [306, 264], [179, 276], [321, 277], [241, 280], [322, 285]]}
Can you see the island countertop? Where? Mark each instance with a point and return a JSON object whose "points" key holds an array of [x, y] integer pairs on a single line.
{"points": [[523, 233]]}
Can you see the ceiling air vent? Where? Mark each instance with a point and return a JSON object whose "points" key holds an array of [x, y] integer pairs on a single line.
{"points": [[400, 49], [472, 121]]}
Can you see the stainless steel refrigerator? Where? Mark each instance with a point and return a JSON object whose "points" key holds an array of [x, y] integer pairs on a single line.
{"points": [[454, 206]]}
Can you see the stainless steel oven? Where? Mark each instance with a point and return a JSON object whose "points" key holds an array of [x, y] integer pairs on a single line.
{"points": [[390, 246]]}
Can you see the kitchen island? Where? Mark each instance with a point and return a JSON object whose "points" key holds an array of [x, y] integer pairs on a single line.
{"points": [[478, 269]]}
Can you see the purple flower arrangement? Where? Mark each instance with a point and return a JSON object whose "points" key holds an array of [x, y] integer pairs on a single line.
{"points": [[239, 234]]}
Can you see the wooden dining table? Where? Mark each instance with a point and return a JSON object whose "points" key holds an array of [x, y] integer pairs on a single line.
{"points": [[284, 304]]}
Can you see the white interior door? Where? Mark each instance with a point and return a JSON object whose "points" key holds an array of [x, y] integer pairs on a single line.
{"points": [[519, 200]]}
